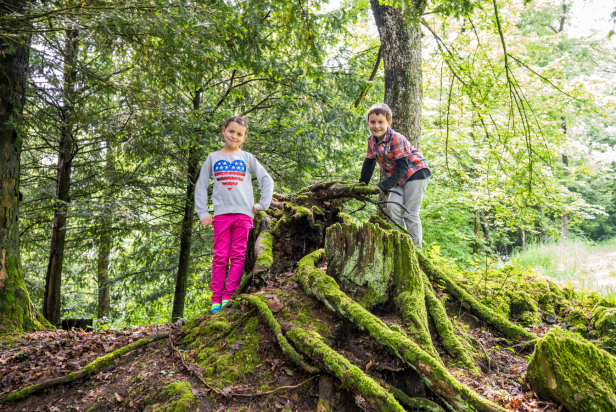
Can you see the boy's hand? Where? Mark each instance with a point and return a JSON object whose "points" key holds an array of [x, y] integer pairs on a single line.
{"points": [[254, 209], [376, 187], [206, 221]]}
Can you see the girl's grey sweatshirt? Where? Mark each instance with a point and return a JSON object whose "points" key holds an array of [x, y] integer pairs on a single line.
{"points": [[232, 191]]}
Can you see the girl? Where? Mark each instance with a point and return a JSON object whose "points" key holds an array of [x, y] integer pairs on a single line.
{"points": [[234, 207]]}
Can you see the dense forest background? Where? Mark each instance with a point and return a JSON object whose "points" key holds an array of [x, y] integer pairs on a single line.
{"points": [[125, 101]]}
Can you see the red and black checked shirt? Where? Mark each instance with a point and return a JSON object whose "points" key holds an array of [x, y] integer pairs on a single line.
{"points": [[395, 146]]}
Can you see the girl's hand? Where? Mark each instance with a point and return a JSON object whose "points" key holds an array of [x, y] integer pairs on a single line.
{"points": [[376, 187], [254, 209], [206, 221]]}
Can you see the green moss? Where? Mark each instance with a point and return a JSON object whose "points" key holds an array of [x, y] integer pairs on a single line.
{"points": [[268, 317], [17, 313], [350, 375], [324, 288], [445, 329], [573, 373], [265, 258], [419, 404], [604, 320], [577, 320], [100, 363], [381, 223], [175, 397], [212, 341]]}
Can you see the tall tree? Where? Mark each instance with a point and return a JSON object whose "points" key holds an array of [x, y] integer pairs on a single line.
{"points": [[105, 239], [187, 223], [400, 35], [17, 313], [53, 279]]}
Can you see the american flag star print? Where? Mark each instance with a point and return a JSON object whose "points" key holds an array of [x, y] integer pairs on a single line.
{"points": [[230, 174]]}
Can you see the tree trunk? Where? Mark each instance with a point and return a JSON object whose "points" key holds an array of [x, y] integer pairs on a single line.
{"points": [[187, 223], [17, 313], [53, 279], [401, 48], [105, 241], [565, 217], [102, 272], [485, 226]]}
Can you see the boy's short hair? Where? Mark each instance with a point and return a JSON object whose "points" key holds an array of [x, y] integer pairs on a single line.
{"points": [[380, 108]]}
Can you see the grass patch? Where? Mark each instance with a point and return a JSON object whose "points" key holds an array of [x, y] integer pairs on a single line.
{"points": [[589, 266]]}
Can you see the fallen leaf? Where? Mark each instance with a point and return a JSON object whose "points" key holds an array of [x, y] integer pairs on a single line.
{"points": [[118, 397], [274, 304], [288, 371], [235, 346]]}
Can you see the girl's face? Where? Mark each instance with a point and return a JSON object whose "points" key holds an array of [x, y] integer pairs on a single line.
{"points": [[234, 135]]}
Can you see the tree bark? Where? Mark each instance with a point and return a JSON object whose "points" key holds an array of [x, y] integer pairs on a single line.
{"points": [[17, 313], [102, 265], [53, 279], [485, 226], [105, 240], [187, 223], [401, 49], [565, 217]]}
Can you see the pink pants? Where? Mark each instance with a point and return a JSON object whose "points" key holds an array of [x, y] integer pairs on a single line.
{"points": [[230, 240]]}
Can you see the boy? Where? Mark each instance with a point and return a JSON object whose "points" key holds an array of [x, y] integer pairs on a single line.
{"points": [[407, 169]]}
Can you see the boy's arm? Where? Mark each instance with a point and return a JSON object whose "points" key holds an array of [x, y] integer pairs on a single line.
{"points": [[266, 183], [367, 170], [201, 189], [401, 168]]}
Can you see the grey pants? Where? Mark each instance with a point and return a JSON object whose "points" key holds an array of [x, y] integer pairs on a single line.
{"points": [[411, 195]]}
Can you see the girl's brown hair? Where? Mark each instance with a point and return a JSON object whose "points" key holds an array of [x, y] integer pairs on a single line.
{"points": [[237, 119]]}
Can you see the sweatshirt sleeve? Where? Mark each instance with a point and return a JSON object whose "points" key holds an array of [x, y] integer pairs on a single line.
{"points": [[201, 189], [367, 170], [266, 183]]}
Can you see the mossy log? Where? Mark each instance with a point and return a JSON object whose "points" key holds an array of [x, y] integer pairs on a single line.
{"points": [[573, 373], [324, 288], [495, 319], [90, 369], [351, 376]]}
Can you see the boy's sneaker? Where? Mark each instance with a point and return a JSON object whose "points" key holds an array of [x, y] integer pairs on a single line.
{"points": [[216, 308]]}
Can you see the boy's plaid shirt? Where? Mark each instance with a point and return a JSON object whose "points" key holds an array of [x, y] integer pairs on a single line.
{"points": [[395, 146]]}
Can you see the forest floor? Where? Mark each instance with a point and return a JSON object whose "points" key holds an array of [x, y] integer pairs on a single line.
{"points": [[132, 383]]}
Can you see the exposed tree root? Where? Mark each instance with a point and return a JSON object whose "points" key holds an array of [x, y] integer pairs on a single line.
{"points": [[450, 341], [324, 288], [268, 317], [498, 321], [409, 290], [351, 376], [90, 369], [415, 403], [326, 394]]}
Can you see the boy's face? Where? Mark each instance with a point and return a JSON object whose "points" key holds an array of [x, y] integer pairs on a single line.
{"points": [[378, 125], [234, 135]]}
